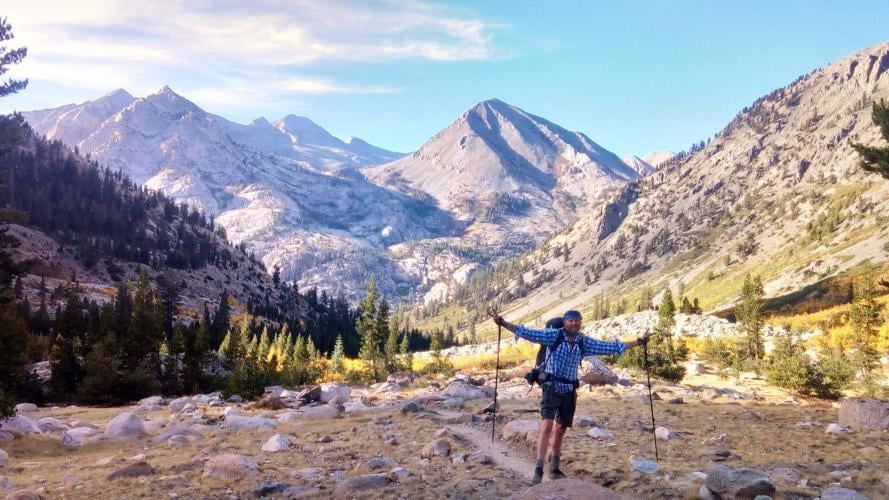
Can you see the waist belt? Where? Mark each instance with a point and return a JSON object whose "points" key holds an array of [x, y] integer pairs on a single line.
{"points": [[556, 378]]}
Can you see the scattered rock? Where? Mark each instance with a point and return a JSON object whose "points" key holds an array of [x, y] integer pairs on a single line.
{"points": [[375, 464], [19, 425], [325, 439], [410, 407], [480, 457], [269, 402], [270, 487], [133, 470], [125, 426], [51, 424], [239, 422], [23, 495], [738, 483], [331, 390], [864, 413], [289, 416], [638, 464], [399, 473], [310, 474], [585, 421], [469, 485], [784, 473], [403, 379], [521, 430], [83, 433], [436, 447], [71, 440], [234, 398], [310, 395], [353, 406], [665, 434], [364, 483], [676, 401], [467, 391], [717, 438], [25, 408], [178, 404], [294, 492], [5, 483], [569, 489], [151, 403], [322, 412], [837, 429], [838, 493], [6, 436], [3, 458], [452, 403], [230, 466], [599, 433], [278, 442]]}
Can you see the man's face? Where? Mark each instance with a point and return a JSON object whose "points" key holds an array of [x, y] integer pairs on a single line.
{"points": [[572, 326]]}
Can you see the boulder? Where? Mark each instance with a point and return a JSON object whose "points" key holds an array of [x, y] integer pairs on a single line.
{"points": [[594, 372], [82, 432], [133, 470], [599, 433], [230, 467], [467, 391], [270, 487], [410, 407], [71, 440], [354, 406], [310, 395], [178, 404], [388, 387], [151, 403], [19, 425], [838, 493], [403, 379], [364, 483], [331, 390], [5, 483], [322, 412], [234, 398], [125, 426], [288, 416], [569, 489], [25, 408], [480, 457], [3, 458], [585, 421], [23, 495], [278, 442], [741, 483], [6, 436], [864, 413], [665, 434], [521, 430], [375, 464], [639, 464], [310, 474], [239, 422], [50, 424], [837, 429], [436, 447]]}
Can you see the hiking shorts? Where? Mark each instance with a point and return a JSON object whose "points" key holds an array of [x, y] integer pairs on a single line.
{"points": [[558, 407]]}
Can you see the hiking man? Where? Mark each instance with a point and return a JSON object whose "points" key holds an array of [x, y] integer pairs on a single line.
{"points": [[566, 347]]}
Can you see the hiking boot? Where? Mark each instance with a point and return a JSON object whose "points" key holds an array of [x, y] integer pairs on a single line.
{"points": [[556, 474], [538, 475]]}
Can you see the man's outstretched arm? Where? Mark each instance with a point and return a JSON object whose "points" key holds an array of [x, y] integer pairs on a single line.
{"points": [[545, 336]]}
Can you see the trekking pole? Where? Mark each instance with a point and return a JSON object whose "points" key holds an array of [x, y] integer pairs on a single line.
{"points": [[650, 401], [496, 382]]}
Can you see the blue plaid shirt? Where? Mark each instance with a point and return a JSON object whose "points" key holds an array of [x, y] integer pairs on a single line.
{"points": [[565, 360]]}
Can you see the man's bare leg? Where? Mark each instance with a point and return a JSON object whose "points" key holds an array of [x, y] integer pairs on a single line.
{"points": [[558, 434], [546, 427]]}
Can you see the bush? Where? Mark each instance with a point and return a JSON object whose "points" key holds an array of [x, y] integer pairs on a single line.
{"points": [[441, 366], [726, 354], [836, 374], [789, 367], [661, 366], [357, 376]]}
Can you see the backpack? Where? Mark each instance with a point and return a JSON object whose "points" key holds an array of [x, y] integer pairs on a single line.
{"points": [[533, 377]]}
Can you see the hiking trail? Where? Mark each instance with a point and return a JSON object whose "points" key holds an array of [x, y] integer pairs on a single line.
{"points": [[502, 455]]}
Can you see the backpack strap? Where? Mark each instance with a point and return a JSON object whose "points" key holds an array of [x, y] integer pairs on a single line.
{"points": [[559, 339]]}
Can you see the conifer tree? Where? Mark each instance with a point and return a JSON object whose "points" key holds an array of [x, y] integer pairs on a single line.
{"points": [[864, 322], [338, 357], [367, 327], [750, 318], [406, 353], [876, 159]]}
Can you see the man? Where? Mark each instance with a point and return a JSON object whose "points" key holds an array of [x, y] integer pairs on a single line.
{"points": [[560, 379]]}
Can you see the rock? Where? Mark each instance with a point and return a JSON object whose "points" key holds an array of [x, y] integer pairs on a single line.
{"points": [[864, 413], [364, 483], [638, 464], [490, 408], [594, 372], [322, 412], [399, 473], [353, 406], [133, 470], [288, 416], [3, 458], [676, 401], [569, 489], [599, 433], [717, 438], [710, 393], [151, 403], [71, 440], [50, 424], [436, 447], [19, 425], [6, 436], [74, 424], [469, 485], [268, 402], [375, 464], [784, 473], [234, 398], [178, 404], [388, 388], [239, 422], [452, 403], [5, 483], [837, 429], [738, 483], [838, 493], [403, 379], [310, 474], [665, 434], [480, 457], [585, 421], [333, 389], [125, 426], [521, 430], [25, 408], [270, 487], [410, 407], [230, 466], [301, 492], [278, 442], [467, 391], [310, 395], [82, 432], [704, 493], [458, 458]]}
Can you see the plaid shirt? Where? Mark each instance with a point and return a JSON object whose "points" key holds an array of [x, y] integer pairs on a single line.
{"points": [[565, 360]]}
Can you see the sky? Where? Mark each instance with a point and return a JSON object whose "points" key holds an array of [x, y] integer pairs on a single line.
{"points": [[634, 76]]}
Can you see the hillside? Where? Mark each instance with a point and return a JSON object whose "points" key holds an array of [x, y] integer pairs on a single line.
{"points": [[777, 192]]}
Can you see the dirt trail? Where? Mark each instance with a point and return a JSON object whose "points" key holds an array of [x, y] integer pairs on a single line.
{"points": [[502, 455]]}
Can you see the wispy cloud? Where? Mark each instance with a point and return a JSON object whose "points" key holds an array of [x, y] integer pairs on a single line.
{"points": [[117, 43]]}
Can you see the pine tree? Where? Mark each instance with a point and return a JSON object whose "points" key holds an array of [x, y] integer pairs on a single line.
{"points": [[338, 357], [877, 159], [391, 351], [864, 322], [146, 331], [406, 353], [750, 318], [67, 371], [8, 58], [221, 321], [472, 337], [367, 327]]}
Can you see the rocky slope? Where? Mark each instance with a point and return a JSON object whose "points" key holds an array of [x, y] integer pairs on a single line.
{"points": [[778, 192]]}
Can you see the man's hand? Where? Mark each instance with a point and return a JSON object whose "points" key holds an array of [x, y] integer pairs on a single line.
{"points": [[498, 319], [644, 338]]}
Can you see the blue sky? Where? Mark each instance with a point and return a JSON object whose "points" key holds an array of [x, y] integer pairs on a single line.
{"points": [[636, 77]]}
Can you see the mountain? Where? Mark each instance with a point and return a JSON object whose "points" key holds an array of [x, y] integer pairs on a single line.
{"points": [[639, 165], [777, 192], [656, 159], [499, 164]]}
